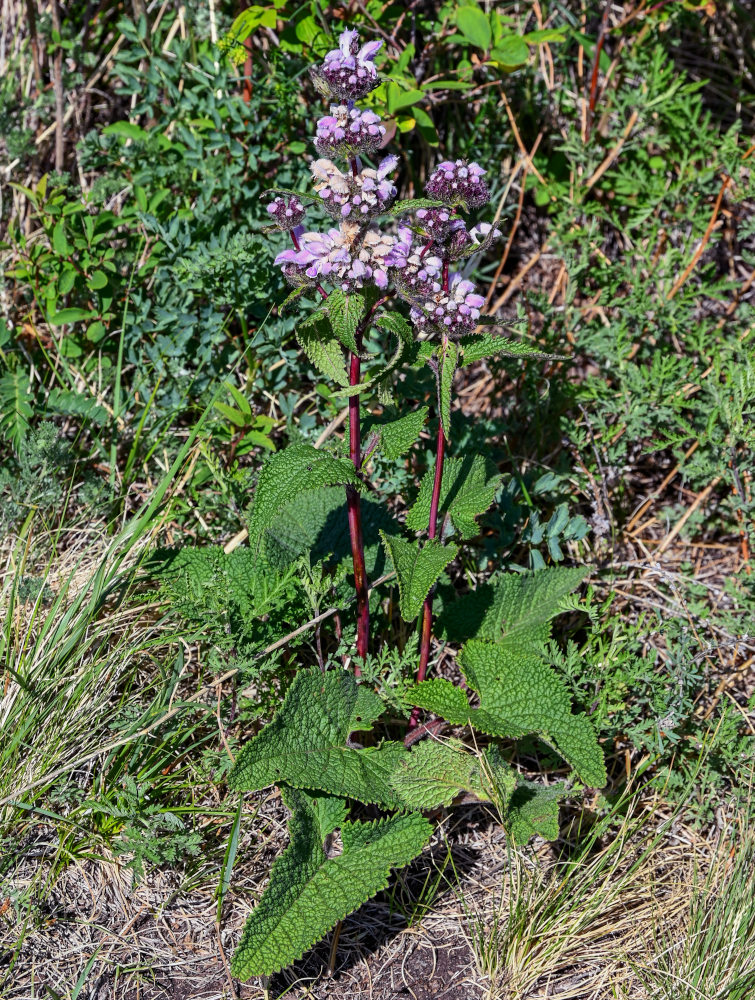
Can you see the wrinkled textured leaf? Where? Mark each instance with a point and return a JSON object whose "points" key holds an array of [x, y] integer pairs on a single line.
{"points": [[533, 811], [519, 695], [288, 474], [468, 489], [397, 436], [448, 357], [518, 606], [344, 313], [305, 744], [417, 569], [309, 893], [323, 350], [397, 325], [434, 773], [475, 347]]}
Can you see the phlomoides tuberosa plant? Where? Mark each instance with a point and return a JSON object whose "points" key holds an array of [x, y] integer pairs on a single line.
{"points": [[393, 267]]}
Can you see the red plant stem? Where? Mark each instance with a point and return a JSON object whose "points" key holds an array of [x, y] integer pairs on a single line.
{"points": [[355, 514], [432, 530]]}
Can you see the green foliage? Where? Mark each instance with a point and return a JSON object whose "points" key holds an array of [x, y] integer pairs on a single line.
{"points": [[513, 606], [468, 489], [397, 436], [417, 569], [533, 811], [15, 406], [435, 772], [519, 694], [305, 744], [322, 349], [477, 347], [286, 476], [309, 892], [448, 357]]}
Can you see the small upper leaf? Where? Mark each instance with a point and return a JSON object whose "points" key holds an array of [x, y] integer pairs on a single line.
{"points": [[519, 694], [475, 347], [468, 489], [417, 569], [345, 313], [448, 357], [323, 349], [397, 436]]}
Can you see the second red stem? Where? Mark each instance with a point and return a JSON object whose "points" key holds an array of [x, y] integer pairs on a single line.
{"points": [[355, 516], [432, 531]]}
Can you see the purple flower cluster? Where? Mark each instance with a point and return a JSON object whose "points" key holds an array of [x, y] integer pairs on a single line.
{"points": [[287, 212], [349, 256], [455, 312], [352, 196], [459, 181], [348, 72], [348, 132], [417, 272], [356, 252]]}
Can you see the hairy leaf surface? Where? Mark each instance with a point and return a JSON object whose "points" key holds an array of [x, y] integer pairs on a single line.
{"points": [[519, 695], [448, 359], [533, 811], [308, 893], [305, 744], [417, 569], [435, 772], [518, 606], [288, 474], [397, 436], [468, 489], [323, 349], [476, 347]]}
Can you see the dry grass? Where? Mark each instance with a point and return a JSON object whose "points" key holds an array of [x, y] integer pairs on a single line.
{"points": [[473, 918]]}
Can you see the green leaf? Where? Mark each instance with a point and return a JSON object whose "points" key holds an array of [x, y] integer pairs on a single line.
{"points": [[519, 695], [72, 315], [518, 606], [397, 436], [305, 744], [396, 324], [59, 241], [511, 51], [345, 313], [97, 280], [288, 474], [410, 205], [292, 297], [448, 358], [396, 99], [476, 347], [544, 36], [426, 126], [468, 488], [475, 26], [308, 893], [436, 772], [323, 350], [126, 130], [417, 569], [16, 408], [533, 811]]}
